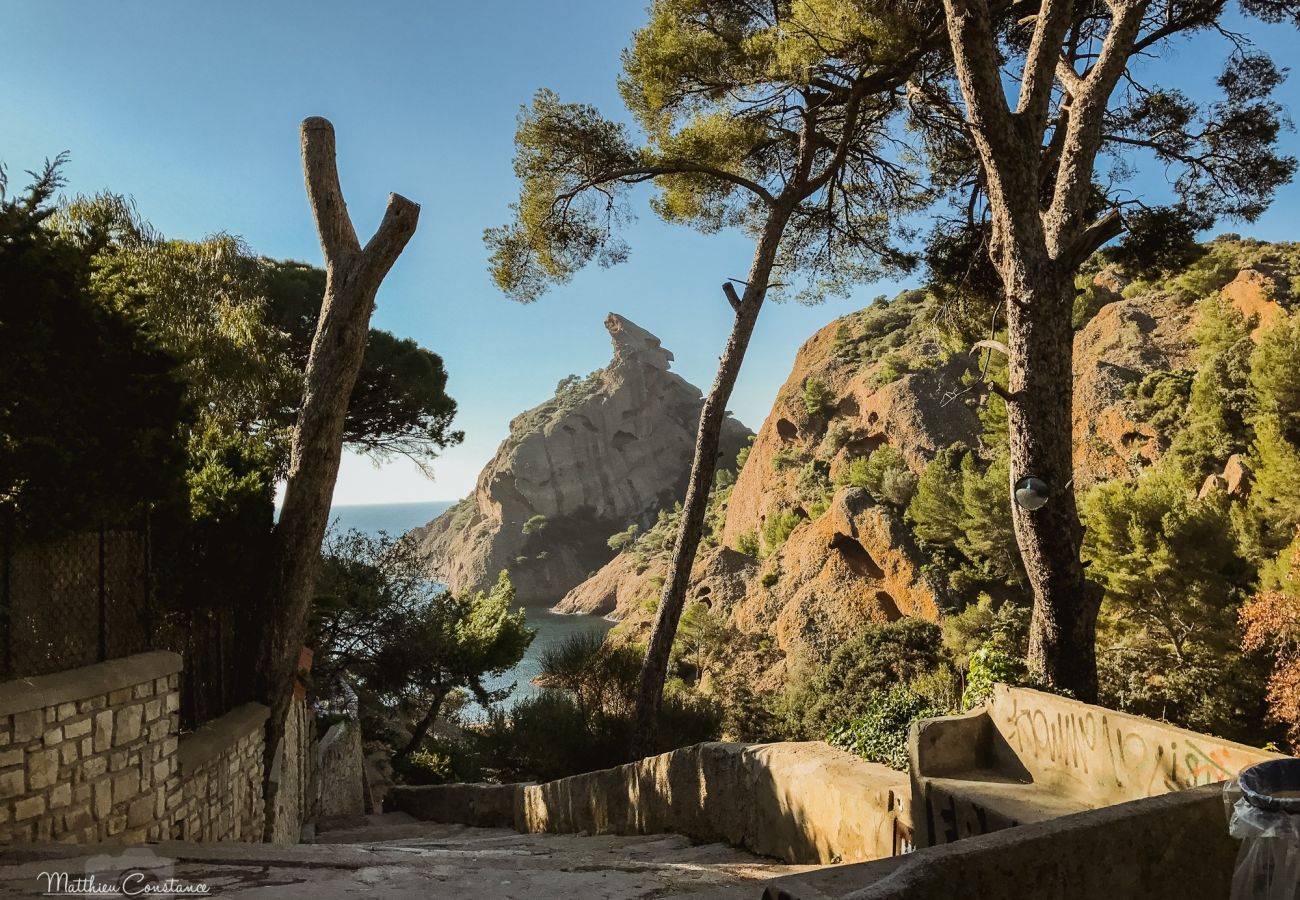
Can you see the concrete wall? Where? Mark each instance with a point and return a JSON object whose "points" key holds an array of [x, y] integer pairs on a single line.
{"points": [[93, 755], [798, 802], [89, 754], [221, 779], [1027, 756], [1103, 755], [1171, 847]]}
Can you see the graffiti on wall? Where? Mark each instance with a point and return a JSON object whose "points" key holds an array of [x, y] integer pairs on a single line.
{"points": [[1143, 758]]}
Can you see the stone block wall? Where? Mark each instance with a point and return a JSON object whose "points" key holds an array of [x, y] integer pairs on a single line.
{"points": [[221, 779], [93, 755], [89, 755]]}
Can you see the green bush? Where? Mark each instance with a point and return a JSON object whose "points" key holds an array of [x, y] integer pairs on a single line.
{"points": [[990, 665], [880, 733], [426, 767], [818, 398], [624, 538], [822, 697], [747, 543], [535, 525], [778, 528]]}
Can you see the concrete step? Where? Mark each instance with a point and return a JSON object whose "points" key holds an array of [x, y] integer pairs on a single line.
{"points": [[392, 855]]}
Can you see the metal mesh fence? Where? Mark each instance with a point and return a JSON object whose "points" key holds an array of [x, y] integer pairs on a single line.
{"points": [[73, 601], [80, 599]]}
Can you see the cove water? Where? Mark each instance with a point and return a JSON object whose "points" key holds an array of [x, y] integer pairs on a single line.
{"points": [[552, 629]]}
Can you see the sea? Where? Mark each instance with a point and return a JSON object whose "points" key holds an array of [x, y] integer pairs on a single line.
{"points": [[552, 629]]}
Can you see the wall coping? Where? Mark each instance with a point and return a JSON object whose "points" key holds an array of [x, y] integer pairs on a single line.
{"points": [[1004, 692], [213, 738], [39, 691]]}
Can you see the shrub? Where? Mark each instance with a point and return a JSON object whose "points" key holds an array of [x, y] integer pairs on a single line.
{"points": [[814, 479], [818, 398], [880, 733], [747, 543], [893, 367], [624, 538], [990, 665], [885, 475], [784, 459], [535, 525], [425, 767], [824, 697], [778, 528], [770, 577]]}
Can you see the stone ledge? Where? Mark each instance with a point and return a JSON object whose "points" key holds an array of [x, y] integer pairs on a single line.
{"points": [[214, 738], [37, 692]]}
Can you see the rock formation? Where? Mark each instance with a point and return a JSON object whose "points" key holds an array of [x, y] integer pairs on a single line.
{"points": [[605, 451], [850, 560]]}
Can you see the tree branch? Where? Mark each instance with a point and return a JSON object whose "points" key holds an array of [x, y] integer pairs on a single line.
{"points": [[730, 290], [1053, 21], [338, 240]]}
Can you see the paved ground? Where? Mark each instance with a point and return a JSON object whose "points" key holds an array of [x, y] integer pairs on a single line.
{"points": [[396, 856]]}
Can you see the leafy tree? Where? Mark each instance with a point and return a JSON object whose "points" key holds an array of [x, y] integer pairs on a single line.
{"points": [[407, 643], [1032, 190], [1272, 510], [399, 405], [1171, 573], [92, 417], [1214, 425], [774, 119]]}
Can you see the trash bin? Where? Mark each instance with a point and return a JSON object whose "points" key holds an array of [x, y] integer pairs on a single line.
{"points": [[1264, 814]]}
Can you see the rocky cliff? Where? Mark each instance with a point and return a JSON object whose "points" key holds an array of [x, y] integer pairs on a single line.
{"points": [[821, 556], [604, 452]]}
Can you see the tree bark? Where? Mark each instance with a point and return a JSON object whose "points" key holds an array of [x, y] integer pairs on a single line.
{"points": [[1062, 631], [654, 670], [422, 727], [353, 275]]}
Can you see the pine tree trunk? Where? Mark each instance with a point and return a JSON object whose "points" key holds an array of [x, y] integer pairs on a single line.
{"points": [[353, 276], [1062, 634], [654, 670], [422, 727]]}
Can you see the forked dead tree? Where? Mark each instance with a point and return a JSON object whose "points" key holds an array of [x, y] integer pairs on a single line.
{"points": [[353, 276]]}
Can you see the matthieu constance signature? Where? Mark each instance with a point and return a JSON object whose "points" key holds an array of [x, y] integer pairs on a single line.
{"points": [[128, 884]]}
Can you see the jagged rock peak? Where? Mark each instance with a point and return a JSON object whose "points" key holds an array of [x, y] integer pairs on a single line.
{"points": [[633, 344]]}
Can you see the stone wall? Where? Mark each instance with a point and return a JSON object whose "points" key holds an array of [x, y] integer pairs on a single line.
{"points": [[339, 773], [89, 754], [798, 802], [221, 779], [93, 755], [289, 803]]}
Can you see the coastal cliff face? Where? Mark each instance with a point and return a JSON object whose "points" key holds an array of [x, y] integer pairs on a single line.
{"points": [[883, 376], [605, 452]]}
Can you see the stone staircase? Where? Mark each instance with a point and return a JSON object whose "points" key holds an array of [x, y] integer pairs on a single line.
{"points": [[395, 855]]}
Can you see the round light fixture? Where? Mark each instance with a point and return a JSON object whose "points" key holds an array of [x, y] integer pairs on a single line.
{"points": [[1032, 493]]}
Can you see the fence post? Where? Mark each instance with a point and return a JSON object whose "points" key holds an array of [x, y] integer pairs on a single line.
{"points": [[103, 598], [150, 623], [6, 563]]}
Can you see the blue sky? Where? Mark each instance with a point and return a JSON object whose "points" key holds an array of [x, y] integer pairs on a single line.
{"points": [[193, 109]]}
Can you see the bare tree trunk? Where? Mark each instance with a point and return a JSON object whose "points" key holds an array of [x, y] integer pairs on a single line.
{"points": [[654, 671], [1062, 631], [353, 275], [422, 727]]}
